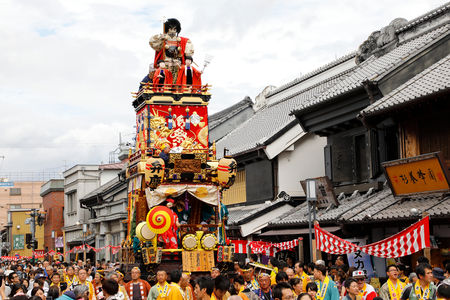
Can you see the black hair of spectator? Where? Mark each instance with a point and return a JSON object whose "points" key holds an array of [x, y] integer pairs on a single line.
{"points": [[423, 260], [281, 276], [254, 257], [312, 286], [278, 289], [311, 265], [35, 290], [377, 298], [401, 267], [35, 298], [17, 286], [333, 267], [20, 297], [222, 283], [443, 291], [239, 279], [110, 286], [206, 283], [175, 276], [300, 263], [447, 267], [349, 281], [294, 281], [321, 268], [282, 264], [304, 295], [40, 281], [11, 276], [53, 292], [274, 262], [391, 266], [420, 269]]}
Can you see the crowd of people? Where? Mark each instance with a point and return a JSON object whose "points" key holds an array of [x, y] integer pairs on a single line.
{"points": [[21, 280]]}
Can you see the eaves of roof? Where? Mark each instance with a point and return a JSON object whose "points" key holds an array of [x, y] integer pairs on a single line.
{"points": [[261, 211], [430, 83], [411, 57], [216, 119], [373, 67], [425, 17], [312, 73]]}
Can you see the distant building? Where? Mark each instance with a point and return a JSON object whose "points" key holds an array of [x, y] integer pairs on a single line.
{"points": [[52, 193], [109, 205], [16, 194], [19, 233], [78, 182]]}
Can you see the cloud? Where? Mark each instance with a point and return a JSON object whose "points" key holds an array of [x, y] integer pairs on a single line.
{"points": [[68, 67]]}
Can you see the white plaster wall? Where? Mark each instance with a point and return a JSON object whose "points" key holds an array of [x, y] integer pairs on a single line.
{"points": [[306, 160]]}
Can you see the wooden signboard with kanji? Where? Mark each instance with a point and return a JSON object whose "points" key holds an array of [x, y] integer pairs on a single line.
{"points": [[415, 175], [198, 261], [324, 192]]}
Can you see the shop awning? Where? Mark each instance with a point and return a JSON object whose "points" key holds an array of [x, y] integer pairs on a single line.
{"points": [[296, 231]]}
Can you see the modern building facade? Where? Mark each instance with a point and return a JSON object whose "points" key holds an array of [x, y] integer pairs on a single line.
{"points": [[19, 232], [14, 195], [52, 193]]}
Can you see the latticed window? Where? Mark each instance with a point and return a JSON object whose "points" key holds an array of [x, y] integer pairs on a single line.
{"points": [[238, 192]]}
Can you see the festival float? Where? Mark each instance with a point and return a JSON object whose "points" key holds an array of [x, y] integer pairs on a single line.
{"points": [[175, 182]]}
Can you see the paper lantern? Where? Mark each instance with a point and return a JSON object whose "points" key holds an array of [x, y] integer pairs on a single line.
{"points": [[226, 171], [154, 172]]}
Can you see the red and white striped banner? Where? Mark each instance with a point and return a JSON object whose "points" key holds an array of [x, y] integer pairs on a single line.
{"points": [[286, 245], [408, 241], [261, 247], [240, 246]]}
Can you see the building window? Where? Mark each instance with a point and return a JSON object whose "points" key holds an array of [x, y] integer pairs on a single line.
{"points": [[348, 157], [71, 202], [13, 206], [15, 191], [237, 193], [101, 243]]}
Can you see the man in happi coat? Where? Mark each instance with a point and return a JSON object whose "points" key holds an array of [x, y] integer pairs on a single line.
{"points": [[160, 290], [137, 289], [327, 289], [393, 287], [423, 289], [366, 291]]}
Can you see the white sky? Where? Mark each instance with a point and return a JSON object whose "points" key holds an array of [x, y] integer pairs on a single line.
{"points": [[67, 67]]}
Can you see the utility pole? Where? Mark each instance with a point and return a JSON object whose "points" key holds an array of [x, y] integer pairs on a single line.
{"points": [[33, 232]]}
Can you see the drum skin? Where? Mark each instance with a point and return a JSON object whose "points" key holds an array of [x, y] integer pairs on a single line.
{"points": [[144, 233]]}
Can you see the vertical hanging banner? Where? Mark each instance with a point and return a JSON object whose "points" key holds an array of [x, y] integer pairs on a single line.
{"points": [[359, 259]]}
